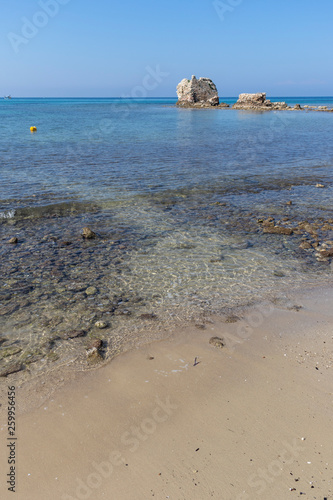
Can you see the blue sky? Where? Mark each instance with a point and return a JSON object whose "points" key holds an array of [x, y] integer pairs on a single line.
{"points": [[103, 48]]}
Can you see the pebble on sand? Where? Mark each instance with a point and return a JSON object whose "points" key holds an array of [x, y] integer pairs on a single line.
{"points": [[217, 342]]}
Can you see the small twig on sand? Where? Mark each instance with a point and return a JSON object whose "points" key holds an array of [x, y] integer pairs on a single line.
{"points": [[196, 362]]}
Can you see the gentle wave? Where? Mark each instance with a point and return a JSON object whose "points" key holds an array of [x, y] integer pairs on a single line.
{"points": [[58, 209]]}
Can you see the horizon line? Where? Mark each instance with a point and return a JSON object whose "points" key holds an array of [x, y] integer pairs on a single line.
{"points": [[157, 97]]}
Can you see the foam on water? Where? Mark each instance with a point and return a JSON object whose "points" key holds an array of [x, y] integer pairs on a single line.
{"points": [[7, 214]]}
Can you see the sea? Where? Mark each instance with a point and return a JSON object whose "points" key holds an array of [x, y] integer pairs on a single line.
{"points": [[178, 200]]}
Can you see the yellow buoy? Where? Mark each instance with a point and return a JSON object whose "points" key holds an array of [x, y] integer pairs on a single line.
{"points": [[33, 129]]}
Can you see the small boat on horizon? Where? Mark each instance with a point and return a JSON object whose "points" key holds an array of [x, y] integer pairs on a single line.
{"points": [[7, 97]]}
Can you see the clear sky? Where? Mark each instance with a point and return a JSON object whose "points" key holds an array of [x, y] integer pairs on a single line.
{"points": [[103, 48]]}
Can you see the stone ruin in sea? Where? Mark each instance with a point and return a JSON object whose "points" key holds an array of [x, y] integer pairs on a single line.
{"points": [[200, 92], [258, 101]]}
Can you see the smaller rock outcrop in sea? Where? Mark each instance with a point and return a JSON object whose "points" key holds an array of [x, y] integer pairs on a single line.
{"points": [[200, 92], [258, 101]]}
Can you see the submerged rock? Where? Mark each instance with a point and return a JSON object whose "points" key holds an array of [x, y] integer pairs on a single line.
{"points": [[278, 230], [95, 344], [30, 357], [326, 252], [52, 356], [88, 234], [12, 367], [148, 316], [194, 91], [9, 351], [9, 309], [257, 101], [101, 324], [94, 355], [308, 228], [73, 334], [91, 290], [305, 245]]}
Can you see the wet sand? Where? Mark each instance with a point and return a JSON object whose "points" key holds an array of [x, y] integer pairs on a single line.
{"points": [[183, 419]]}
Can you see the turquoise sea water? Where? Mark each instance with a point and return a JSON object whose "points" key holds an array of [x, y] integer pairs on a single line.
{"points": [[93, 149], [174, 196]]}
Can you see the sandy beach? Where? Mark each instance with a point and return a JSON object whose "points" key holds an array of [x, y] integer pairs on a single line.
{"points": [[184, 419]]}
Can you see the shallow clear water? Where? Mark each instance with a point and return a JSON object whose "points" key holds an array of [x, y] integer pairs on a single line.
{"points": [[175, 196]]}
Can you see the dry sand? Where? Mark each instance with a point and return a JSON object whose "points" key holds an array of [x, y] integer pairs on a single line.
{"points": [[252, 420]]}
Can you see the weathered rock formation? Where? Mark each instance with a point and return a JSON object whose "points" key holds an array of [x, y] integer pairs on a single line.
{"points": [[251, 99], [202, 93], [198, 93], [257, 102]]}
